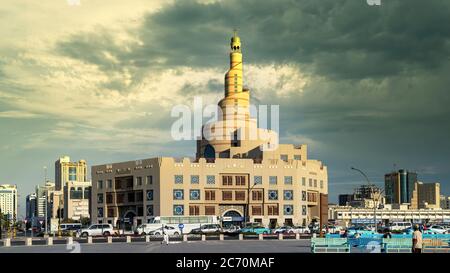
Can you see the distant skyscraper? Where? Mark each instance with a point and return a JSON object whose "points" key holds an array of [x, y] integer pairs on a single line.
{"points": [[8, 200], [426, 196], [69, 171], [71, 181], [31, 206], [399, 186]]}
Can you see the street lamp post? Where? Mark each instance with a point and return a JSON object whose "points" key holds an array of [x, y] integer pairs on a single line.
{"points": [[374, 198]]}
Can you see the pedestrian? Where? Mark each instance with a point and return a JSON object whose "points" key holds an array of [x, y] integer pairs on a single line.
{"points": [[417, 240], [387, 233], [165, 237]]}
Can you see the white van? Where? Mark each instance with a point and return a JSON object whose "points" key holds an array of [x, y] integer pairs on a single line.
{"points": [[399, 226]]}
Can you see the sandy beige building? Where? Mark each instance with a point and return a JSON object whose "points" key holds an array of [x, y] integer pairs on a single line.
{"points": [[426, 196], [240, 173]]}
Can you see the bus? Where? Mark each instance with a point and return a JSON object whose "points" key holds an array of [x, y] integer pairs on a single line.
{"points": [[188, 222]]}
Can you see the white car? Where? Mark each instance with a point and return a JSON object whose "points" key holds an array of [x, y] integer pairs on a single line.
{"points": [[167, 229], [399, 226], [437, 229], [145, 229], [97, 230], [283, 229], [299, 229]]}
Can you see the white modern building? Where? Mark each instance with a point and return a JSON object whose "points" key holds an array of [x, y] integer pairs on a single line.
{"points": [[346, 215], [8, 200]]}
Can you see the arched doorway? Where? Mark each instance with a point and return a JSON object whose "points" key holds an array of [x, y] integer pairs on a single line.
{"points": [[128, 220], [232, 218]]}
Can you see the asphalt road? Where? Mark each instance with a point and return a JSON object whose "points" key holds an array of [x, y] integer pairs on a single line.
{"points": [[269, 246]]}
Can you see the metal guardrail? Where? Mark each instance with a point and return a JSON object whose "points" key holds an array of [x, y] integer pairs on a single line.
{"points": [[28, 241]]}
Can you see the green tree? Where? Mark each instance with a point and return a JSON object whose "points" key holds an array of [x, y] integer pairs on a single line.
{"points": [[85, 221]]}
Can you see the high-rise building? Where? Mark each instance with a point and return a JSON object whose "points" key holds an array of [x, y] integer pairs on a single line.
{"points": [[8, 201], [399, 186], [69, 171], [31, 206], [71, 181], [426, 196], [43, 199], [234, 176], [445, 202]]}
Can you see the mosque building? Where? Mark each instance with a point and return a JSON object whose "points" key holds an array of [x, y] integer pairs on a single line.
{"points": [[240, 173]]}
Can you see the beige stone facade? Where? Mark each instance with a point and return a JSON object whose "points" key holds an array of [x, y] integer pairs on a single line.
{"points": [[240, 173], [426, 196]]}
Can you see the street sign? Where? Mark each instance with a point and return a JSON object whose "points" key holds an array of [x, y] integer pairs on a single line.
{"points": [[126, 220], [180, 226], [41, 222], [227, 219]]}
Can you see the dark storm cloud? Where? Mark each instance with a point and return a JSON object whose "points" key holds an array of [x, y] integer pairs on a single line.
{"points": [[379, 75]]}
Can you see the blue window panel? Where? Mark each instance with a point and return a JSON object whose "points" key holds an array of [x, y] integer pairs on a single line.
{"points": [[288, 180], [178, 179], [194, 194], [178, 194], [178, 210], [150, 195], [257, 180], [210, 179], [288, 209], [288, 195], [273, 195], [273, 180], [195, 179]]}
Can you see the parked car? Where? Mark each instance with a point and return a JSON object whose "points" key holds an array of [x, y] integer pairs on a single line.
{"points": [[96, 230], [256, 230], [283, 229], [333, 229], [144, 229], [167, 229], [231, 230], [207, 229], [299, 229], [435, 229], [399, 226]]}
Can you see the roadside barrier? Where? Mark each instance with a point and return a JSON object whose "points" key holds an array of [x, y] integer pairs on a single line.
{"points": [[28, 241]]}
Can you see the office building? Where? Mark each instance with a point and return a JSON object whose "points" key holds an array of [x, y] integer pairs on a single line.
{"points": [[232, 177], [65, 170], [31, 206], [8, 201], [426, 195], [347, 216], [74, 188], [399, 186], [445, 202]]}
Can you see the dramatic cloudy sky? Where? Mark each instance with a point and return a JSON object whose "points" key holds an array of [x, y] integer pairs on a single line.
{"points": [[364, 86]]}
